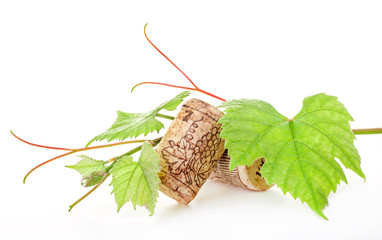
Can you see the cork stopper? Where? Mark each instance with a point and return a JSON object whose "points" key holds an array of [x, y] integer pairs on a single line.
{"points": [[190, 150], [242, 176]]}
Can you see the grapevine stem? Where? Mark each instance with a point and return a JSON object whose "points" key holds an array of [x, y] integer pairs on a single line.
{"points": [[169, 85], [42, 164], [108, 145], [181, 87], [88, 193], [210, 94], [71, 151], [165, 116], [144, 30], [164, 84], [132, 151], [78, 149], [365, 131], [37, 145]]}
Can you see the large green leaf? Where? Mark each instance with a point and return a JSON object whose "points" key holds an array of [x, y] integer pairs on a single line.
{"points": [[137, 182], [134, 124], [300, 152]]}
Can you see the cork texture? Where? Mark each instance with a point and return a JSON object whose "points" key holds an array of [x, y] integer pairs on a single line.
{"points": [[190, 150], [242, 176]]}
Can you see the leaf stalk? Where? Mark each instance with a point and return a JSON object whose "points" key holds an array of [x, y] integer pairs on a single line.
{"points": [[366, 131], [165, 116]]}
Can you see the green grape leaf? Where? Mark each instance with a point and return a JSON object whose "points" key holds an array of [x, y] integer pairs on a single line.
{"points": [[137, 182], [134, 124], [86, 166], [300, 152]]}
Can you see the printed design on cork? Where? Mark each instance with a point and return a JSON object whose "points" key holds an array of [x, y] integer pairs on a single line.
{"points": [[192, 162]]}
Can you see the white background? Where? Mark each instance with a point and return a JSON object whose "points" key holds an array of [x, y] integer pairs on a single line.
{"points": [[67, 66]]}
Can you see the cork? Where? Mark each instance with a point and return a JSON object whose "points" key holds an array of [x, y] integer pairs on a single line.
{"points": [[190, 150], [242, 176]]}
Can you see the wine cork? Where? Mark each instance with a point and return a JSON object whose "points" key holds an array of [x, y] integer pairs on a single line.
{"points": [[242, 176], [189, 150]]}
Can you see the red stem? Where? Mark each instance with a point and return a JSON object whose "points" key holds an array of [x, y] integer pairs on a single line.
{"points": [[70, 151], [41, 146], [42, 164], [164, 84], [210, 94], [108, 145], [169, 85], [144, 30], [181, 87]]}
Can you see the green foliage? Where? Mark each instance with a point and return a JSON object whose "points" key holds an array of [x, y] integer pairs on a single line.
{"points": [[93, 178], [137, 182], [300, 152], [86, 166], [134, 124]]}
